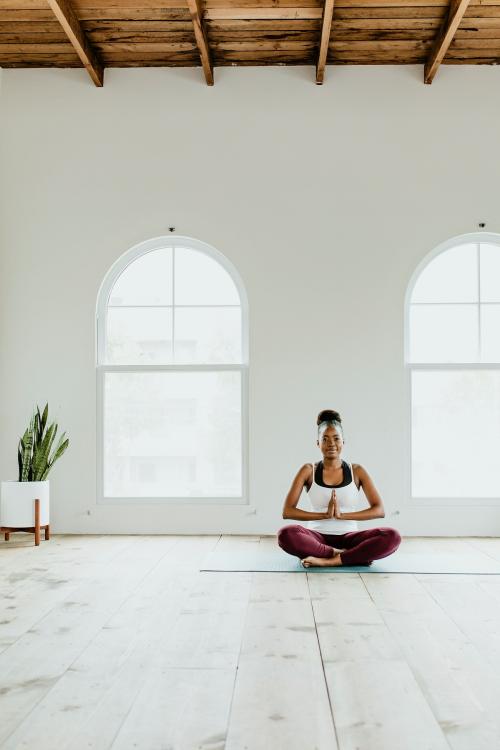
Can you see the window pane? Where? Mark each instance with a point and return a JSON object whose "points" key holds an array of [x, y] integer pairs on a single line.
{"points": [[443, 333], [172, 434], [201, 280], [490, 273], [490, 333], [138, 335], [210, 334], [456, 434], [449, 277], [145, 281]]}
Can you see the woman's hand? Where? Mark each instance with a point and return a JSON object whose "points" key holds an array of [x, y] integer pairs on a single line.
{"points": [[333, 507]]}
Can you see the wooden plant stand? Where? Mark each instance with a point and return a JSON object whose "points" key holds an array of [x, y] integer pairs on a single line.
{"points": [[33, 529]]}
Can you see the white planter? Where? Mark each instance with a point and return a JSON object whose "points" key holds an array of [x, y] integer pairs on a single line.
{"points": [[17, 503]]}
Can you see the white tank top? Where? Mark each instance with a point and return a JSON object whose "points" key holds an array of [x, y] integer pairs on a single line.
{"points": [[347, 498]]}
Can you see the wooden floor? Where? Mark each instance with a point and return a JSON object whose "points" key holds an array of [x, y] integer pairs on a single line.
{"points": [[120, 642]]}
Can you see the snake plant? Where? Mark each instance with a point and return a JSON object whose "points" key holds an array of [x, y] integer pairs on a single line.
{"points": [[34, 454]]}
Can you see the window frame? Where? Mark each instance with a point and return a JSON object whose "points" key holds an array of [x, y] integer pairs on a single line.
{"points": [[411, 367], [157, 243]]}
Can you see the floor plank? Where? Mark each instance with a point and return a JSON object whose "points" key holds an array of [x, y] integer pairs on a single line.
{"points": [[374, 696], [179, 708], [280, 697], [459, 684]]}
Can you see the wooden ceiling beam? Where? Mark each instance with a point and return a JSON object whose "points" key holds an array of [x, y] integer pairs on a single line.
{"points": [[201, 40], [71, 25], [262, 14], [444, 38], [326, 28]]}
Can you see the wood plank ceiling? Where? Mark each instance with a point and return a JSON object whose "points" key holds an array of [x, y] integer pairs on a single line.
{"points": [[210, 33]]}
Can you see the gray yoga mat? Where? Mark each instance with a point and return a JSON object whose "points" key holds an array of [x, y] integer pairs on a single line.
{"points": [[277, 561]]}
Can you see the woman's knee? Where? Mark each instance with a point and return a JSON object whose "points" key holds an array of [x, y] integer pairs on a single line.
{"points": [[287, 534], [392, 535]]}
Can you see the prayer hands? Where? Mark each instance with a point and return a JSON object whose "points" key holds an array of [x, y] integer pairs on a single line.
{"points": [[333, 507]]}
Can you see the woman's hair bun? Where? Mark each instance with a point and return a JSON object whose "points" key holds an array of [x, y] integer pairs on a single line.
{"points": [[328, 415]]}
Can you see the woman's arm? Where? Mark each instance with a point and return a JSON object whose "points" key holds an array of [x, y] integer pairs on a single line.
{"points": [[290, 509], [376, 509]]}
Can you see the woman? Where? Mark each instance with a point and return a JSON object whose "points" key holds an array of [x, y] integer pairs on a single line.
{"points": [[332, 538]]}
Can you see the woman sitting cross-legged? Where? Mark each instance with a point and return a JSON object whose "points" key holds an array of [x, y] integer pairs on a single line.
{"points": [[332, 537]]}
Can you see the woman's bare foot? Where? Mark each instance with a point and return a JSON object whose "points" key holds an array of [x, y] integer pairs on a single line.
{"points": [[322, 562]]}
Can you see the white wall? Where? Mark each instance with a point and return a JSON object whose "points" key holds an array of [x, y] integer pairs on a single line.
{"points": [[324, 197]]}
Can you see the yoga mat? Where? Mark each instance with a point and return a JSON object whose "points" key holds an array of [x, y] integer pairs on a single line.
{"points": [[277, 561]]}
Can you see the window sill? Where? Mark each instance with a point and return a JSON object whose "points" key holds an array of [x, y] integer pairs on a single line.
{"points": [[179, 501]]}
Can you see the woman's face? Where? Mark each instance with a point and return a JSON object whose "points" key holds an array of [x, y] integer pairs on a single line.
{"points": [[331, 443]]}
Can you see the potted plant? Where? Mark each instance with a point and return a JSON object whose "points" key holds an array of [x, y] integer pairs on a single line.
{"points": [[24, 504]]}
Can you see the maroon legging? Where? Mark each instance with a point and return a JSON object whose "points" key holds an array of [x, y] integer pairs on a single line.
{"points": [[361, 547]]}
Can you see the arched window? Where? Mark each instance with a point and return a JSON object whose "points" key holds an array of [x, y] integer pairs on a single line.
{"points": [[172, 362], [453, 353]]}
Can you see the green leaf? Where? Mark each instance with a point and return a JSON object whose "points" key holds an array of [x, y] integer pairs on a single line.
{"points": [[59, 443], [40, 461], [28, 444], [58, 453], [44, 416], [38, 427], [20, 460]]}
